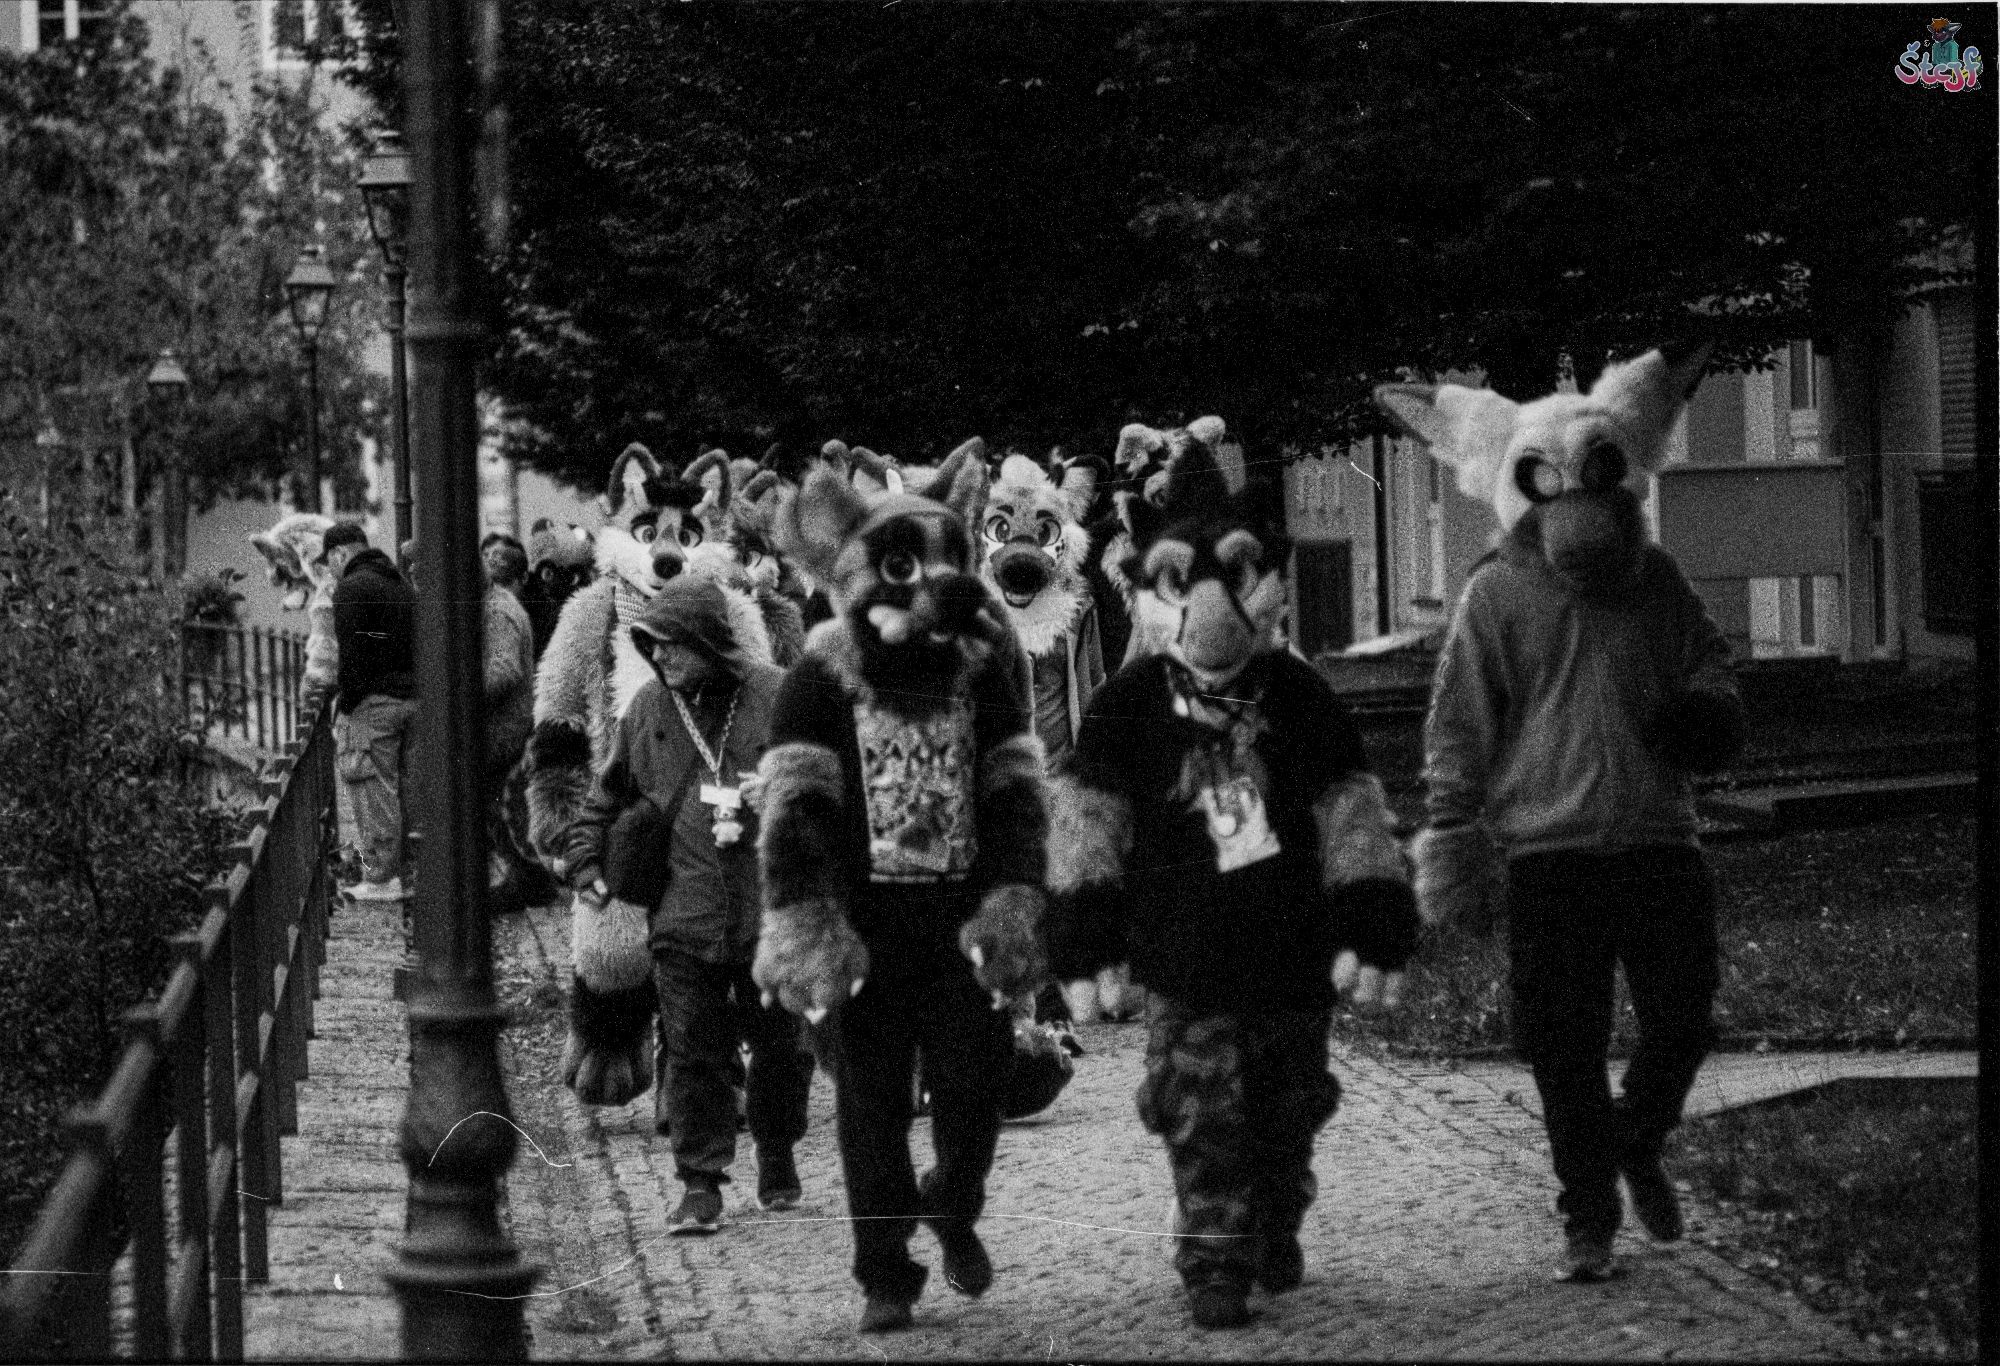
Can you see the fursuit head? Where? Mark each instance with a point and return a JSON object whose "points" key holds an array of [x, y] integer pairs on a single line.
{"points": [[901, 571], [1207, 568], [291, 551], [1035, 545], [1140, 464], [736, 520], [1565, 474]]}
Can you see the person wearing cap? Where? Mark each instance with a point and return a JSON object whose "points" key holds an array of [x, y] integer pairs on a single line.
{"points": [[375, 705], [679, 758]]}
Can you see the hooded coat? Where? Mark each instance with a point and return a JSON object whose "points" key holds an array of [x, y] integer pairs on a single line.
{"points": [[709, 906]]}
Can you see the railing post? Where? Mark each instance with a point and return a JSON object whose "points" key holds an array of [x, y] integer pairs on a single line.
{"points": [[145, 1200], [225, 1152], [197, 1340]]}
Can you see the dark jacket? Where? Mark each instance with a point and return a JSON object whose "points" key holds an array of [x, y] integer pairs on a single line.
{"points": [[1259, 937], [374, 626], [710, 906]]}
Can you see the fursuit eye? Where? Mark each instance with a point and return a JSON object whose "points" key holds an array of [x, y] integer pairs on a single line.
{"points": [[689, 536], [548, 573], [1603, 466], [996, 530], [899, 567], [1048, 531], [1537, 479], [646, 534]]}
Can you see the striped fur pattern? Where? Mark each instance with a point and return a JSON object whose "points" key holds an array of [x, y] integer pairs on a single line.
{"points": [[1455, 871]]}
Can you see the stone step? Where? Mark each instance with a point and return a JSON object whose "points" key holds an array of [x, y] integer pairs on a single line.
{"points": [[1855, 801]]}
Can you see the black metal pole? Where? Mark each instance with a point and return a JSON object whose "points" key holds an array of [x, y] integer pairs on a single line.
{"points": [[399, 390], [312, 422], [458, 1277]]}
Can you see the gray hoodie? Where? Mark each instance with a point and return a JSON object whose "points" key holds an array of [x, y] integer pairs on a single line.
{"points": [[1545, 706]]}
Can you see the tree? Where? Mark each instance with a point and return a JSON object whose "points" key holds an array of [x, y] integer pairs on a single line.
{"points": [[903, 224], [138, 219]]}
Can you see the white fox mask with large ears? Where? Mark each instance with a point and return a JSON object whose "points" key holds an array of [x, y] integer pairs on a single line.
{"points": [[1515, 455]]}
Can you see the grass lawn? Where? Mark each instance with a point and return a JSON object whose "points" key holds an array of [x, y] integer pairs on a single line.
{"points": [[1829, 937], [1860, 1200]]}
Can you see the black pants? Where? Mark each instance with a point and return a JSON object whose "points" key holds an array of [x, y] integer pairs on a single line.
{"points": [[1237, 1099], [706, 1010], [874, 1040], [1572, 918]]}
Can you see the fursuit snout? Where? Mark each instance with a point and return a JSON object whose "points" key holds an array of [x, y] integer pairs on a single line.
{"points": [[944, 607], [1022, 569], [1215, 635], [1594, 540]]}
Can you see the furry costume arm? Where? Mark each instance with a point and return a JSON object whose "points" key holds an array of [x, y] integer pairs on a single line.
{"points": [[505, 650], [1701, 727], [322, 655], [1011, 819], [1362, 866], [808, 956], [580, 848], [1454, 854], [559, 750]]}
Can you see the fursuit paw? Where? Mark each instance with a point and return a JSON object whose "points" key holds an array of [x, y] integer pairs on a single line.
{"points": [[607, 1076], [808, 958], [1377, 926], [1003, 942]]}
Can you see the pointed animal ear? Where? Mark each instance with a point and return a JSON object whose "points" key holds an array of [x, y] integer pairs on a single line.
{"points": [[871, 473], [1142, 521], [1468, 429], [1194, 481], [961, 482], [283, 559], [629, 473], [717, 459], [1079, 484], [1136, 439], [1207, 430], [834, 453], [760, 486], [1647, 393], [814, 522]]}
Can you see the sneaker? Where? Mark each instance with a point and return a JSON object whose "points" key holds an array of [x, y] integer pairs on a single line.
{"points": [[882, 1315], [700, 1212], [1218, 1304], [1653, 1198], [1586, 1260], [967, 1268], [389, 890], [1283, 1265], [777, 1181]]}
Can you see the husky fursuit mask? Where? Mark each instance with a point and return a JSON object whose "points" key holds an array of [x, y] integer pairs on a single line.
{"points": [[1565, 474], [737, 550], [899, 569], [1207, 567], [1035, 546], [291, 549]]}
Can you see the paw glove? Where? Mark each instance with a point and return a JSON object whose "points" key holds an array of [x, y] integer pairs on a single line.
{"points": [[1003, 941], [808, 958]]}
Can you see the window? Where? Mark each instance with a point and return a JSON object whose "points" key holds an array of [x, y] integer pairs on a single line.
{"points": [[1802, 422], [59, 21], [1956, 409], [1804, 393], [292, 26]]}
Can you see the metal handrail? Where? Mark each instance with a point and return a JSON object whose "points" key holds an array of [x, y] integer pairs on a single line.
{"points": [[242, 680], [212, 1064]]}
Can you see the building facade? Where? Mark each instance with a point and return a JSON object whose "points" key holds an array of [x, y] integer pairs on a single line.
{"points": [[1823, 506]]}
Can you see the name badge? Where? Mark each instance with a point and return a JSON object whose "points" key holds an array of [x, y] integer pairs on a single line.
{"points": [[721, 798], [1237, 824]]}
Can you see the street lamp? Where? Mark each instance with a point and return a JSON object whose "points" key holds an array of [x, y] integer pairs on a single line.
{"points": [[167, 382], [385, 188], [309, 292]]}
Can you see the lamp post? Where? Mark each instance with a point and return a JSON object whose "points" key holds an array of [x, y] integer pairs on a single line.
{"points": [[167, 382], [309, 293], [385, 188], [458, 1278]]}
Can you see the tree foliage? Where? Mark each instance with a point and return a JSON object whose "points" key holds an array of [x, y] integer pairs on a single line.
{"points": [[906, 223], [138, 218]]}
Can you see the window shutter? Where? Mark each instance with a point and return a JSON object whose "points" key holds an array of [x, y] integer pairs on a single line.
{"points": [[1955, 373]]}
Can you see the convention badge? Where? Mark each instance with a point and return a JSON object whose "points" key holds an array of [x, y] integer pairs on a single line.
{"points": [[727, 801], [1237, 824]]}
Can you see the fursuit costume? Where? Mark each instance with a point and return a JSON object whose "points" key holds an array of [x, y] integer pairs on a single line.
{"points": [[903, 857], [1221, 832], [1581, 684]]}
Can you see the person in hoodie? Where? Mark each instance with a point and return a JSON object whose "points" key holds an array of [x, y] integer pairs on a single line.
{"points": [[666, 824], [375, 708]]}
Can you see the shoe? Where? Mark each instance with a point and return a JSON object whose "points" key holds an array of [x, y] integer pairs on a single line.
{"points": [[967, 1268], [1283, 1265], [882, 1315], [1218, 1304], [1653, 1198], [1586, 1260], [389, 890], [700, 1212], [777, 1181]]}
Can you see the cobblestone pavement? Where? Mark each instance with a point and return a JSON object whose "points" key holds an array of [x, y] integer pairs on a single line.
{"points": [[1433, 1236]]}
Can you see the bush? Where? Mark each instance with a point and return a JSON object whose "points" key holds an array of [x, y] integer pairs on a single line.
{"points": [[103, 849]]}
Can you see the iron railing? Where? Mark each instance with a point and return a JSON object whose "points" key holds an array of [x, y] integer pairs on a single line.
{"points": [[191, 1117], [242, 681]]}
